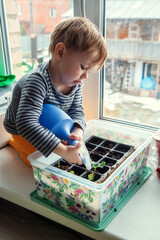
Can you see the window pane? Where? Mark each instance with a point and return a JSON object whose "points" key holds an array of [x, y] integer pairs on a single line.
{"points": [[30, 23], [132, 70]]}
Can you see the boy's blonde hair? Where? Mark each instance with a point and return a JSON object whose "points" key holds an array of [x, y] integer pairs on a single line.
{"points": [[80, 34]]}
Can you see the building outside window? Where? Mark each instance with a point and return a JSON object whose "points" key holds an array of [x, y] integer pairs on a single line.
{"points": [[131, 89]]}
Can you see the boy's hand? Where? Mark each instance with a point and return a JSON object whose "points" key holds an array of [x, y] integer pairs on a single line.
{"points": [[69, 153], [76, 133]]}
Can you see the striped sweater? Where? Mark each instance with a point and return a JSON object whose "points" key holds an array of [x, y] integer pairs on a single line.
{"points": [[29, 94]]}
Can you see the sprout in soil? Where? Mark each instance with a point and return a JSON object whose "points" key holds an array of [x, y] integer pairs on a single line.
{"points": [[59, 165], [95, 165]]}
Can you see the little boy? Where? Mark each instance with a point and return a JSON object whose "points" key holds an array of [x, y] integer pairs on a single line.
{"points": [[76, 48]]}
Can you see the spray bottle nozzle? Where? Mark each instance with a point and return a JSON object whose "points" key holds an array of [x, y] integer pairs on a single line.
{"points": [[84, 155]]}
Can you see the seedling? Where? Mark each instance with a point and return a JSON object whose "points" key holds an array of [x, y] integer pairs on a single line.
{"points": [[95, 165], [63, 165], [59, 164]]}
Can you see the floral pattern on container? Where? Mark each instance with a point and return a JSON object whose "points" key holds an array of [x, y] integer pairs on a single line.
{"points": [[66, 194], [118, 187], [82, 201]]}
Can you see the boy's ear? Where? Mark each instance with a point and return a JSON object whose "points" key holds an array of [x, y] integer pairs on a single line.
{"points": [[60, 50]]}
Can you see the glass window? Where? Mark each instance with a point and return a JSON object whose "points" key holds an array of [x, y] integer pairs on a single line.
{"points": [[29, 25], [26, 27], [131, 89]]}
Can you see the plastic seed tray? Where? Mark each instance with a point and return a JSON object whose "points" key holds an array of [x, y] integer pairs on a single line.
{"points": [[100, 150]]}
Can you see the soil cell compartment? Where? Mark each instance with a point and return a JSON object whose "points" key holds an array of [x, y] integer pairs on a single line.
{"points": [[109, 162], [101, 151], [97, 176], [123, 148], [109, 144], [102, 170], [95, 140], [90, 146], [62, 165], [82, 166], [95, 157], [115, 155], [77, 170]]}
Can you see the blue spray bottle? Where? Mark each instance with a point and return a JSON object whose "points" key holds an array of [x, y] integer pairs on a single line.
{"points": [[60, 123]]}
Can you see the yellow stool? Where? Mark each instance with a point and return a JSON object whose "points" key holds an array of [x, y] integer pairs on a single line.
{"points": [[22, 146]]}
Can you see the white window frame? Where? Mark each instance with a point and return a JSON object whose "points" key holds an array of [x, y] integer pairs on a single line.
{"points": [[52, 13], [92, 86], [133, 32], [19, 10], [5, 56]]}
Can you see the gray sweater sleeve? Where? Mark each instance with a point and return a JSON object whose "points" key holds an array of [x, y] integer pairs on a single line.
{"points": [[28, 113]]}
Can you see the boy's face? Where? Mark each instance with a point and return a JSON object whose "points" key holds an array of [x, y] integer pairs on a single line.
{"points": [[74, 67]]}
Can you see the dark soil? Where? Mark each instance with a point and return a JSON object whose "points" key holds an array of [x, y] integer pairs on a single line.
{"points": [[77, 170], [109, 144], [90, 146], [115, 155], [122, 148], [63, 165], [102, 170], [109, 162], [96, 140], [101, 151], [95, 157]]}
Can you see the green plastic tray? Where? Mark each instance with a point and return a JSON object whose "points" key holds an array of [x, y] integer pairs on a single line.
{"points": [[95, 226]]}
